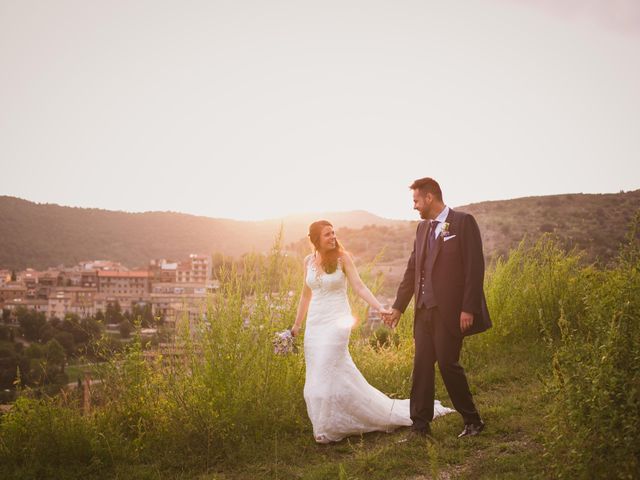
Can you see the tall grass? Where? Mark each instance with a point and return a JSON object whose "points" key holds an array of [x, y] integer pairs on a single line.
{"points": [[227, 400], [527, 292], [594, 423], [585, 324]]}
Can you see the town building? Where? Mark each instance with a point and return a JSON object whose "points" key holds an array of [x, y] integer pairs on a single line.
{"points": [[173, 301], [124, 284], [194, 270], [12, 291], [37, 305], [175, 289]]}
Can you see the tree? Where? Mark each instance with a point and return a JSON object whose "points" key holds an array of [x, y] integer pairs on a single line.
{"points": [[66, 340], [55, 355], [34, 351], [72, 324], [114, 312], [5, 334], [147, 315], [8, 365], [47, 332], [99, 316], [36, 372], [91, 327], [125, 329], [142, 312], [30, 323]]}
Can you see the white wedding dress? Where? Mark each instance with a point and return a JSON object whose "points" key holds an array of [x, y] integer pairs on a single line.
{"points": [[339, 400]]}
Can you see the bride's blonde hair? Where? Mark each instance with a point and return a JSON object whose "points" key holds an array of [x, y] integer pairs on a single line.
{"points": [[329, 259]]}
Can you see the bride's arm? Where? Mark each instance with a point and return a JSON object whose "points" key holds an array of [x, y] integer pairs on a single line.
{"points": [[358, 285], [303, 304]]}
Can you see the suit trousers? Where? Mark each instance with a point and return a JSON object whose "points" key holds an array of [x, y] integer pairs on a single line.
{"points": [[434, 343]]}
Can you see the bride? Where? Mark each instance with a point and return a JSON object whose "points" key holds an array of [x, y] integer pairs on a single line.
{"points": [[339, 400]]}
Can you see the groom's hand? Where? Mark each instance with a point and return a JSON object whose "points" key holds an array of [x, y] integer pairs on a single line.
{"points": [[392, 319], [466, 320]]}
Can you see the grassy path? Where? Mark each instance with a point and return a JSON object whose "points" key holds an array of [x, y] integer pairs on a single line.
{"points": [[509, 394]]}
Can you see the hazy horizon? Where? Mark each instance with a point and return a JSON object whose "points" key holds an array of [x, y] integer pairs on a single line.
{"points": [[256, 111], [414, 214]]}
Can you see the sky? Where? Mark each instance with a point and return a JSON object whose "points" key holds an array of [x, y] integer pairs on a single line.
{"points": [[254, 110]]}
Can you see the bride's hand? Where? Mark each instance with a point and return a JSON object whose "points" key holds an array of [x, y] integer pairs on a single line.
{"points": [[295, 330]]}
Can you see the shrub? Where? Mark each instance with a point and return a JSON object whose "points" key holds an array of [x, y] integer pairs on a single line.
{"points": [[596, 382], [527, 292]]}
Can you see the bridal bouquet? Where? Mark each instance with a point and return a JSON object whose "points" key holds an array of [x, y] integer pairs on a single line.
{"points": [[284, 343]]}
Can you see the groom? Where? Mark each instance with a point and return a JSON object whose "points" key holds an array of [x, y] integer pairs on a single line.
{"points": [[445, 275]]}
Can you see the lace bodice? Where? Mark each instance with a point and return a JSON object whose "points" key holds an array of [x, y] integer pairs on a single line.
{"points": [[324, 283]]}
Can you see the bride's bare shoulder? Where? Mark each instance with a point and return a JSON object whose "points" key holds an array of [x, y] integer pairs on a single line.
{"points": [[345, 257]]}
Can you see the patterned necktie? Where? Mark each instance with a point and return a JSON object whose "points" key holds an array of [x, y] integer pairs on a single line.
{"points": [[431, 241]]}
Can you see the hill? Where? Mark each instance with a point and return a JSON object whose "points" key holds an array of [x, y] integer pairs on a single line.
{"points": [[595, 223], [43, 235]]}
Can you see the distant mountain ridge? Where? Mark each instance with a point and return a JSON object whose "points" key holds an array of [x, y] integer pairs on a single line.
{"points": [[44, 235], [593, 223]]}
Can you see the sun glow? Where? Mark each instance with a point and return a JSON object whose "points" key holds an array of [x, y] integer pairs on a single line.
{"points": [[348, 321]]}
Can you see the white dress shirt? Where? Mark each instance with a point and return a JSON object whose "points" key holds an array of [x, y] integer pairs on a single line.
{"points": [[441, 218]]}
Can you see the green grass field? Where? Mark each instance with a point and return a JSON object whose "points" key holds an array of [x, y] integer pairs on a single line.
{"points": [[510, 396], [557, 381]]}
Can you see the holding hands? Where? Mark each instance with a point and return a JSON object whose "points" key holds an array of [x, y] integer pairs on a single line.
{"points": [[391, 317]]}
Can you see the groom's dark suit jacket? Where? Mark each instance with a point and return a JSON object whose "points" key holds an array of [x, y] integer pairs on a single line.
{"points": [[457, 273]]}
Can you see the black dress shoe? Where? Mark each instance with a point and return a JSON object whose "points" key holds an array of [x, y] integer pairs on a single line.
{"points": [[471, 429], [417, 434], [421, 432]]}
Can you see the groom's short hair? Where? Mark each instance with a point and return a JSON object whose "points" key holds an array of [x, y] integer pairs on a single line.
{"points": [[427, 185]]}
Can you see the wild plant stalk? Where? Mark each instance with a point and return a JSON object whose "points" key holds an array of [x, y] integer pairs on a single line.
{"points": [[225, 399]]}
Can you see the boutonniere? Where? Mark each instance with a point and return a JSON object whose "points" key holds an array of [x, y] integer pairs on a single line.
{"points": [[444, 233]]}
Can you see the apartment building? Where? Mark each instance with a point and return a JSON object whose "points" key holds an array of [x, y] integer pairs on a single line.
{"points": [[38, 305], [59, 304], [194, 270], [162, 270], [172, 301], [89, 279], [133, 284], [12, 291]]}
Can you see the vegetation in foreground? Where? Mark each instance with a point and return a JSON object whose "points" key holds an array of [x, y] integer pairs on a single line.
{"points": [[557, 381]]}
